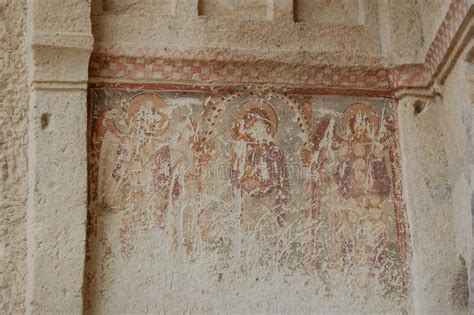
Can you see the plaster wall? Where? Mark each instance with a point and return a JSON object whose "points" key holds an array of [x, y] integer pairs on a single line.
{"points": [[364, 33], [431, 14], [429, 204], [458, 125], [401, 31], [437, 155], [293, 33], [13, 165], [244, 202]]}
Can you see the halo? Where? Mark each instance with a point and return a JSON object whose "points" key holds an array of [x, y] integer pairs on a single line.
{"points": [[260, 105], [139, 100], [351, 111]]}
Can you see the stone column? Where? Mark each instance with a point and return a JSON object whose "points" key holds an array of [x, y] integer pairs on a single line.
{"points": [[428, 199], [60, 43]]}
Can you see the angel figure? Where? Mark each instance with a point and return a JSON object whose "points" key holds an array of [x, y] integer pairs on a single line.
{"points": [[259, 175], [351, 185], [135, 168]]}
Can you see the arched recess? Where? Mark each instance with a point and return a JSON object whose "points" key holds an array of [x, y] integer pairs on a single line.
{"points": [[59, 46], [217, 106]]}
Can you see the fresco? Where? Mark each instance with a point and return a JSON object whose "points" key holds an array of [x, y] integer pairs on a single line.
{"points": [[254, 201]]}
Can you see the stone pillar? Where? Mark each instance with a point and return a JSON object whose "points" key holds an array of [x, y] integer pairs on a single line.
{"points": [[60, 43], [427, 194]]}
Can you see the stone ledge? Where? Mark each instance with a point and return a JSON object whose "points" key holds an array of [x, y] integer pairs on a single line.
{"points": [[81, 41], [58, 64], [59, 85]]}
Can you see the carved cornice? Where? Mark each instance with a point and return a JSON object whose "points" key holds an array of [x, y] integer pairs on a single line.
{"points": [[59, 58], [59, 41], [66, 40]]}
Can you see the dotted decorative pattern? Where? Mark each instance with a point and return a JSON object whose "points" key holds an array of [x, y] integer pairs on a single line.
{"points": [[153, 69]]}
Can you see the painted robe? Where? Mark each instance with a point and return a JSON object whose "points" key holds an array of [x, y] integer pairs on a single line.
{"points": [[355, 173]]}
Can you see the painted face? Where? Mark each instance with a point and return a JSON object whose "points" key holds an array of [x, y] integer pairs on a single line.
{"points": [[148, 121], [361, 126], [249, 119], [255, 128]]}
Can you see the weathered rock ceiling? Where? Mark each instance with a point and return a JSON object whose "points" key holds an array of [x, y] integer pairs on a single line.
{"points": [[340, 32]]}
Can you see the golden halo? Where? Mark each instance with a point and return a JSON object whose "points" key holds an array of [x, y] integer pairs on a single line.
{"points": [[351, 111], [141, 99], [254, 107]]}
